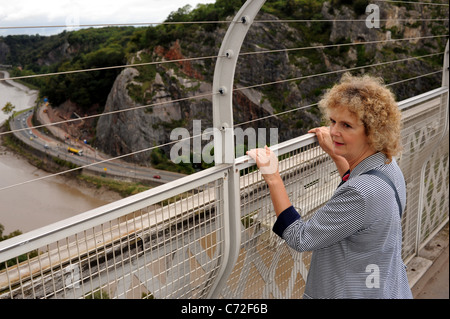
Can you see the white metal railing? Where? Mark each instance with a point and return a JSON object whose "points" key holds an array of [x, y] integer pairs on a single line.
{"points": [[170, 239], [209, 234]]}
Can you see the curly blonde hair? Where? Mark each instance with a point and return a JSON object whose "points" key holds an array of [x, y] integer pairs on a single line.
{"points": [[374, 104]]}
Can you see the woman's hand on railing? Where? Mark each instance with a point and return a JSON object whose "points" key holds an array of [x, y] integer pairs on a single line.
{"points": [[324, 138], [267, 162]]}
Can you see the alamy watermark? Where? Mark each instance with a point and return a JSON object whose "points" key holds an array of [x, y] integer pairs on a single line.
{"points": [[206, 145], [373, 279], [373, 19]]}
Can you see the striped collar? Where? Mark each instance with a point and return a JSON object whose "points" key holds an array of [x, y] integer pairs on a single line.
{"points": [[371, 162]]}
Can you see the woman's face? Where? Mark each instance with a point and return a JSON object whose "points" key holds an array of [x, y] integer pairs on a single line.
{"points": [[348, 135]]}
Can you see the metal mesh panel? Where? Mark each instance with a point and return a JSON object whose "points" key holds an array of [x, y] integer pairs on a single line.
{"points": [[435, 184], [170, 249], [423, 129], [435, 196]]}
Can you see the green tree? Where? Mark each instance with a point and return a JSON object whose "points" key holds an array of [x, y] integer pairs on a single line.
{"points": [[86, 88], [8, 108], [20, 258]]}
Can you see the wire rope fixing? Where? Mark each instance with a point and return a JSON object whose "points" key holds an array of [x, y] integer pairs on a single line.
{"points": [[224, 131]]}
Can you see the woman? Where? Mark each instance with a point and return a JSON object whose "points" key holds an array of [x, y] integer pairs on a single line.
{"points": [[356, 237]]}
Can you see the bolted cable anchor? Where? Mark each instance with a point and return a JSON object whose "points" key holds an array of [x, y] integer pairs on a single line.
{"points": [[222, 91], [224, 126], [245, 20]]}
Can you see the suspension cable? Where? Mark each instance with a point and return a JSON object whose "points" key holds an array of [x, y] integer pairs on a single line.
{"points": [[337, 71], [110, 113], [109, 68], [276, 114], [413, 2], [315, 104], [340, 45], [342, 20], [415, 77], [96, 163], [98, 25]]}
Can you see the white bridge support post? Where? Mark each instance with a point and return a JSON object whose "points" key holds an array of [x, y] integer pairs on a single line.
{"points": [[445, 84], [224, 151]]}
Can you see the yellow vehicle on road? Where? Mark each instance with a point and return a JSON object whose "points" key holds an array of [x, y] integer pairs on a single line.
{"points": [[75, 151]]}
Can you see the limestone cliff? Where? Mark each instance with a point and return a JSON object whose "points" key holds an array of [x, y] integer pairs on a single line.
{"points": [[154, 116]]}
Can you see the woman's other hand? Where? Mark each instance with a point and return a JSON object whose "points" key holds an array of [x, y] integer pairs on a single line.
{"points": [[326, 143], [324, 138]]}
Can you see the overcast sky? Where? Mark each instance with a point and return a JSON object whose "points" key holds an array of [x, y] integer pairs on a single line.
{"points": [[79, 12]]}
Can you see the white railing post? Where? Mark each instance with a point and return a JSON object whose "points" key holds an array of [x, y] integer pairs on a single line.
{"points": [[224, 133], [445, 72], [445, 83]]}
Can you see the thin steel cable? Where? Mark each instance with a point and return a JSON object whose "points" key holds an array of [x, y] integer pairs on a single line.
{"points": [[413, 2], [96, 163], [207, 95], [277, 114], [340, 45], [314, 104], [415, 77], [337, 71], [110, 113], [110, 68], [97, 25], [340, 20]]}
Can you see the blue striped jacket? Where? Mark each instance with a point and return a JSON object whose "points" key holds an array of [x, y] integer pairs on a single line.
{"points": [[356, 237]]}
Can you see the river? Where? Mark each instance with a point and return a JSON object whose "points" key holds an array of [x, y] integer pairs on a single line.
{"points": [[40, 203], [17, 94]]}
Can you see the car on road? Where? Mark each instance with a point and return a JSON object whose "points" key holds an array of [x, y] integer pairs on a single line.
{"points": [[157, 176]]}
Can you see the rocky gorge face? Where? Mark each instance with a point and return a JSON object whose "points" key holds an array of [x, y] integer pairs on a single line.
{"points": [[148, 125], [173, 97], [155, 115]]}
